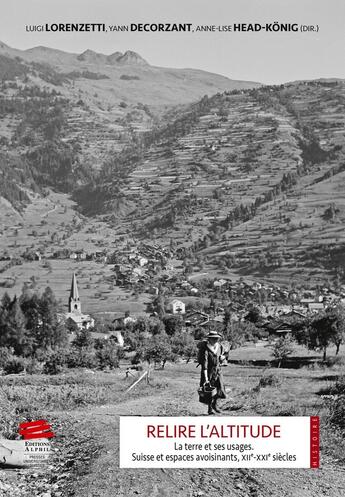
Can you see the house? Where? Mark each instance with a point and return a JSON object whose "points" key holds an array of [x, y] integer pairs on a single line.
{"points": [[219, 283], [83, 321], [280, 330], [257, 286], [185, 284], [100, 257], [196, 318], [297, 313], [306, 301], [137, 271], [81, 255], [116, 335], [283, 309], [142, 261], [177, 307], [5, 257], [123, 321], [315, 307], [214, 322]]}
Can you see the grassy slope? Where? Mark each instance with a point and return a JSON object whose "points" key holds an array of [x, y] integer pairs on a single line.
{"points": [[257, 142], [155, 86]]}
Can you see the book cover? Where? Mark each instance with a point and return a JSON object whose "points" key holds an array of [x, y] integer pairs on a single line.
{"points": [[172, 251]]}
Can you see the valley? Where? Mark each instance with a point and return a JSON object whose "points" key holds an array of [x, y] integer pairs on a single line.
{"points": [[242, 183]]}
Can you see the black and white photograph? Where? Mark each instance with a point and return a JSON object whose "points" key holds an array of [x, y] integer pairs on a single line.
{"points": [[172, 242]]}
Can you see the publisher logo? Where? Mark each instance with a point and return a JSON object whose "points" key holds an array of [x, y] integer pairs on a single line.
{"points": [[34, 449], [35, 429]]}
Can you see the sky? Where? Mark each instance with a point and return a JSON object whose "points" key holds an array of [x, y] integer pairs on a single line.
{"points": [[264, 57]]}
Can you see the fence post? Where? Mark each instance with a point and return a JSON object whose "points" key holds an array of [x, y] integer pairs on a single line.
{"points": [[137, 381]]}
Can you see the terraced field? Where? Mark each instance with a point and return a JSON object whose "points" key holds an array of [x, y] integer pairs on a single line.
{"points": [[250, 182], [243, 149]]}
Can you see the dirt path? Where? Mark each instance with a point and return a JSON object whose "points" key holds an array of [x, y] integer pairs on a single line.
{"points": [[107, 480]]}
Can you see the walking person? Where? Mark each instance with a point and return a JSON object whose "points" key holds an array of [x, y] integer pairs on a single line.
{"points": [[211, 372]]}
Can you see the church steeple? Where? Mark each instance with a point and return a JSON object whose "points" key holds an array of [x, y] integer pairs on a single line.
{"points": [[74, 301]]}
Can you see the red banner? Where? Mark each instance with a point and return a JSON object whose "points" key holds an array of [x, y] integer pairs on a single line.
{"points": [[314, 442]]}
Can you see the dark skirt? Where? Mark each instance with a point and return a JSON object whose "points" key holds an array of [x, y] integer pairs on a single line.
{"points": [[216, 380], [219, 383]]}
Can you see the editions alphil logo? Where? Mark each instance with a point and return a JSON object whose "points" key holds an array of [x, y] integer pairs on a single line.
{"points": [[35, 429], [33, 450]]}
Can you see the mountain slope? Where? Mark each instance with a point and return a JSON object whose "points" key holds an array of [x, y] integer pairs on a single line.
{"points": [[248, 182], [244, 182], [64, 114], [125, 77]]}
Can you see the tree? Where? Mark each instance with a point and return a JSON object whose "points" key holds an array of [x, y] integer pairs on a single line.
{"points": [[141, 325], [83, 339], [183, 345], [227, 318], [30, 305], [158, 350], [158, 305], [282, 348], [4, 307], [173, 324], [108, 354], [71, 326], [337, 314], [12, 326], [330, 213], [157, 327], [322, 330], [137, 334], [6, 354], [236, 333], [5, 303], [253, 315], [103, 324], [52, 333]]}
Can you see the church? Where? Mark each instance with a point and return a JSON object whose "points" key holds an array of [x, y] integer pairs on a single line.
{"points": [[83, 321]]}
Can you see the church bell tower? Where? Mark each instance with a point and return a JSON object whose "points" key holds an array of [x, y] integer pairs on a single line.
{"points": [[74, 304]]}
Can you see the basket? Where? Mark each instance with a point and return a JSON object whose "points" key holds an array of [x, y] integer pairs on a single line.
{"points": [[206, 394]]}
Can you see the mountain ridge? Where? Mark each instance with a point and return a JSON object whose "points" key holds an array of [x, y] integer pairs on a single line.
{"points": [[67, 61]]}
